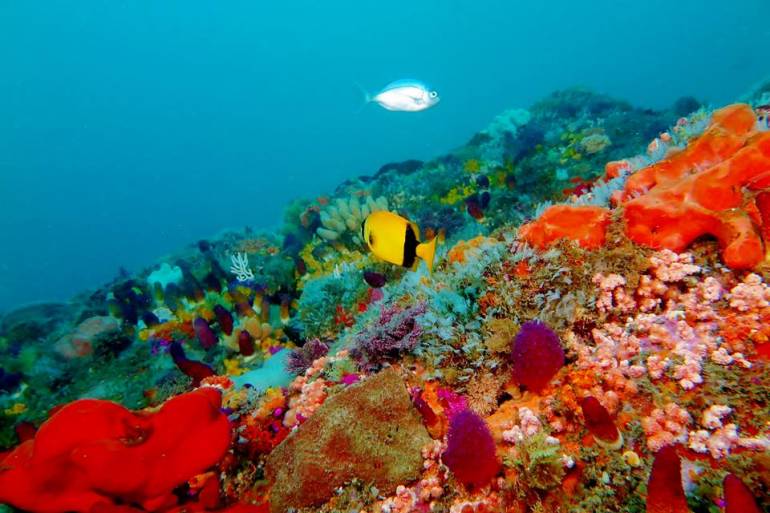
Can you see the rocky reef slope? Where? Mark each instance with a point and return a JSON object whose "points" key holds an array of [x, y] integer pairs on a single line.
{"points": [[593, 337]]}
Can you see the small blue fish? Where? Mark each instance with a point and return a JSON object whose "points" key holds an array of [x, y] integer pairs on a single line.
{"points": [[405, 96]]}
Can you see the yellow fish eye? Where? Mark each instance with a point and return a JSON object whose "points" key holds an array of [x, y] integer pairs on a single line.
{"points": [[371, 239]]}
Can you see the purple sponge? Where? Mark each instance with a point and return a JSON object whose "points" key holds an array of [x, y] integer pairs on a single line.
{"points": [[470, 454], [537, 355]]}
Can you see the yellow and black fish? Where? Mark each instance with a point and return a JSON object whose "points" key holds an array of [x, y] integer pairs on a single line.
{"points": [[396, 240]]}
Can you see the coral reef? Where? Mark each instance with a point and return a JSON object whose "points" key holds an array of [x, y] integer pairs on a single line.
{"points": [[594, 336]]}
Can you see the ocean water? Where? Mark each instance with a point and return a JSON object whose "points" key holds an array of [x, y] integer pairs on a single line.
{"points": [[129, 129]]}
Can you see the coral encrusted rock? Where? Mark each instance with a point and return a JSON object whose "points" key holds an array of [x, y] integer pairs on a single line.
{"points": [[370, 431]]}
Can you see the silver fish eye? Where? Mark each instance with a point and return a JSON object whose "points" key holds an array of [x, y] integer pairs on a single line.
{"points": [[433, 94]]}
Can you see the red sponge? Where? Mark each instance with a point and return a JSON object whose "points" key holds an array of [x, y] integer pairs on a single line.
{"points": [[738, 497], [93, 451], [600, 424]]}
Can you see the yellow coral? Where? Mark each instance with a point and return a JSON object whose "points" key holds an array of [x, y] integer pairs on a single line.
{"points": [[463, 249], [472, 166], [16, 409], [457, 194], [232, 367]]}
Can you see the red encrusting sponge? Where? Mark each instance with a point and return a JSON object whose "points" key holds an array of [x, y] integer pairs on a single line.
{"points": [[665, 493], [738, 497], [93, 453], [600, 424]]}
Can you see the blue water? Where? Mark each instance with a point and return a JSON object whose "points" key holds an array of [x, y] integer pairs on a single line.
{"points": [[128, 129]]}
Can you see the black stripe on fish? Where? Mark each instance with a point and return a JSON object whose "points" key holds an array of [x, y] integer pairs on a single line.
{"points": [[410, 247], [363, 231]]}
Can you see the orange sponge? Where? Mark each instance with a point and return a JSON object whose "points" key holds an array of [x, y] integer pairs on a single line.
{"points": [[707, 189], [585, 225]]}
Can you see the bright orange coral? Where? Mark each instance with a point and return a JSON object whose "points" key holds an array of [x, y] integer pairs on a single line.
{"points": [[586, 225], [709, 188]]}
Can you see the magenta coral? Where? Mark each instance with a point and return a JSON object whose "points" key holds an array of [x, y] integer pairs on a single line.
{"points": [[301, 359], [394, 333], [537, 355], [470, 452]]}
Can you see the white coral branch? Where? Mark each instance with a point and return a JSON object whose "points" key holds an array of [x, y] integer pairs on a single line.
{"points": [[240, 267]]}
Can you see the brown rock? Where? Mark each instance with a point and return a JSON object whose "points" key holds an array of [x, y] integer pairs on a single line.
{"points": [[370, 431]]}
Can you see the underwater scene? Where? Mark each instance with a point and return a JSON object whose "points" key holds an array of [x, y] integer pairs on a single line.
{"points": [[411, 257]]}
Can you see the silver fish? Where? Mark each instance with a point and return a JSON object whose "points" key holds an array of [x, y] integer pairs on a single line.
{"points": [[405, 96]]}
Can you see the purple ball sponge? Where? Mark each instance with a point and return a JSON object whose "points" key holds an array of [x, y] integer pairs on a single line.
{"points": [[537, 355], [470, 454]]}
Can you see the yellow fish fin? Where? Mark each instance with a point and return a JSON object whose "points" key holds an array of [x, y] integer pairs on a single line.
{"points": [[426, 251]]}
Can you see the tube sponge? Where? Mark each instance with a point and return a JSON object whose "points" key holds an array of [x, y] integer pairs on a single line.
{"points": [[738, 497], [665, 493]]}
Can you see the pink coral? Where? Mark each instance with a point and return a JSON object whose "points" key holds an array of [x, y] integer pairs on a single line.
{"points": [[712, 417], [719, 440], [613, 295], [670, 267], [420, 496], [750, 295], [529, 425], [666, 426], [680, 324], [718, 444], [404, 501], [311, 395]]}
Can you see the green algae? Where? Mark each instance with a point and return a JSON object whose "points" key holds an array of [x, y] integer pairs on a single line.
{"points": [[538, 464]]}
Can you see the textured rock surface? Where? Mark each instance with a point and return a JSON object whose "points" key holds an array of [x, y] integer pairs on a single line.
{"points": [[370, 431]]}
